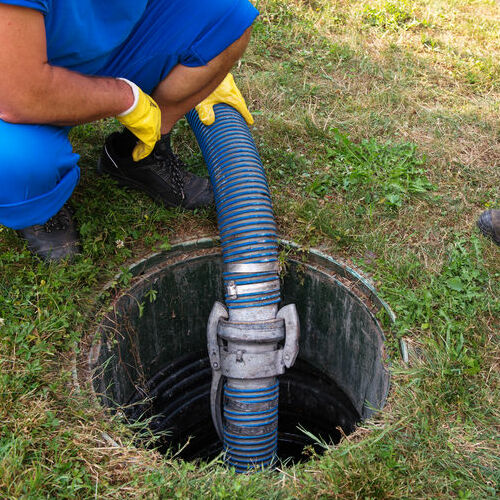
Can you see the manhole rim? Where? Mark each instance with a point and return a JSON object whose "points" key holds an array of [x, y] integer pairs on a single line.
{"points": [[355, 275], [87, 349]]}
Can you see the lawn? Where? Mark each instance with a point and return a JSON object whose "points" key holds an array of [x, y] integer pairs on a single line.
{"points": [[379, 125]]}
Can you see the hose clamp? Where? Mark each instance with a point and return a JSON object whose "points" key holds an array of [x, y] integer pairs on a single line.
{"points": [[233, 291], [262, 267]]}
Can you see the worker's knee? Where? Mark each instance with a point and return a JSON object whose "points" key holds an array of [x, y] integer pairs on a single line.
{"points": [[237, 49], [36, 165], [228, 57], [243, 41]]}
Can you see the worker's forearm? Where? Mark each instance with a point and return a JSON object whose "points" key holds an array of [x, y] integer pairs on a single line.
{"points": [[58, 96]]}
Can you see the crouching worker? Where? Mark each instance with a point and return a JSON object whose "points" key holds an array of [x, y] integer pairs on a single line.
{"points": [[67, 62]]}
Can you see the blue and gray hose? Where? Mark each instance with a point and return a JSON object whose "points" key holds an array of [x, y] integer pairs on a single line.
{"points": [[250, 342]]}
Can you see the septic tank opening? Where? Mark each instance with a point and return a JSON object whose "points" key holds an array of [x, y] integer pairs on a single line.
{"points": [[149, 360]]}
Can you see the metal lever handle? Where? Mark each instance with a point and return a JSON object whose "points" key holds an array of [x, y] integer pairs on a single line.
{"points": [[218, 312], [216, 402], [292, 332]]}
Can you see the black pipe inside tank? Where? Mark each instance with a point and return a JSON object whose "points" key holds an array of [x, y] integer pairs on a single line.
{"points": [[176, 403]]}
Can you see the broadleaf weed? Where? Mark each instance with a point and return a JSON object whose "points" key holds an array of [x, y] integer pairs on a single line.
{"points": [[371, 172]]}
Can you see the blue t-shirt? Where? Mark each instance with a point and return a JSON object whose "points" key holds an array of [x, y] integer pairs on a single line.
{"points": [[81, 34]]}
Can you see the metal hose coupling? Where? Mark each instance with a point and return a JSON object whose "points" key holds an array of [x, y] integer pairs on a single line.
{"points": [[246, 358]]}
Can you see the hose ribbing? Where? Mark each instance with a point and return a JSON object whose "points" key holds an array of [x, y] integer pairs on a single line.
{"points": [[242, 198]]}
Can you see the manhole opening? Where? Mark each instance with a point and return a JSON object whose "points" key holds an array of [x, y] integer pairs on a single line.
{"points": [[149, 355]]}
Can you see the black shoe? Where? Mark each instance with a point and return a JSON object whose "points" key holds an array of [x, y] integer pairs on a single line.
{"points": [[161, 174], [55, 240], [489, 224]]}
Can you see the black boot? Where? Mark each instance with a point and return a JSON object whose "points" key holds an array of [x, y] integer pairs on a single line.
{"points": [[489, 224], [161, 174], [55, 240]]}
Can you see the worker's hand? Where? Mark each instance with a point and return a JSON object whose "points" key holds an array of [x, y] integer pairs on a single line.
{"points": [[143, 119], [227, 92]]}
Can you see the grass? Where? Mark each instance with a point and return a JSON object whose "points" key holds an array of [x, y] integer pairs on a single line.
{"points": [[378, 125]]}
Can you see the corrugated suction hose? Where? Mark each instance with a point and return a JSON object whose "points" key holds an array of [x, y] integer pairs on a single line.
{"points": [[250, 343]]}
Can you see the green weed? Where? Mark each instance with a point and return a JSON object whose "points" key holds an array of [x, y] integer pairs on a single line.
{"points": [[444, 302], [393, 14], [371, 172]]}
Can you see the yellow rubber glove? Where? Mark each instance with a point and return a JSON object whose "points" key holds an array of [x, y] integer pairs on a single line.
{"points": [[228, 93], [143, 119]]}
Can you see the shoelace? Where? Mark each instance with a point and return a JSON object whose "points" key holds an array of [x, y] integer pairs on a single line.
{"points": [[169, 166]]}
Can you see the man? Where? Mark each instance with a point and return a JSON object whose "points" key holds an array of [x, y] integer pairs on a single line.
{"points": [[67, 62]]}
